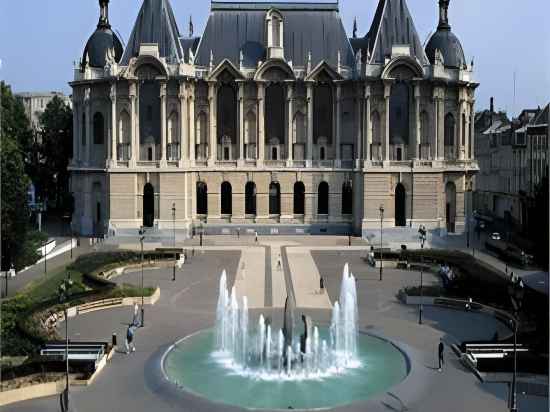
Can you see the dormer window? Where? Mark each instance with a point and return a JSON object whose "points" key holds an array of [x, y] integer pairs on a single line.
{"points": [[274, 27]]}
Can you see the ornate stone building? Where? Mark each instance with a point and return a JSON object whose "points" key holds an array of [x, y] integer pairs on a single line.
{"points": [[272, 120]]}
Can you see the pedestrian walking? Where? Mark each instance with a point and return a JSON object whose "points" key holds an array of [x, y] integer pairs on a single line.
{"points": [[371, 257], [256, 236], [279, 263], [238, 233], [441, 350], [135, 318], [130, 345], [321, 285]]}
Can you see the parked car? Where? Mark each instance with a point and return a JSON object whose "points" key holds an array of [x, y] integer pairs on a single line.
{"points": [[495, 236]]}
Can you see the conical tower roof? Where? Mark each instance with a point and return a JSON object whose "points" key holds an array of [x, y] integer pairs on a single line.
{"points": [[393, 24], [155, 23]]}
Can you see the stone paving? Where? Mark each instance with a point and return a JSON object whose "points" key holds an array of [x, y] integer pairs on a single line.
{"points": [[132, 382]]}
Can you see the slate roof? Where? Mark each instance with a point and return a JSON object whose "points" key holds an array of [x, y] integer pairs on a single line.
{"points": [[393, 24], [542, 117], [155, 23], [308, 27]]}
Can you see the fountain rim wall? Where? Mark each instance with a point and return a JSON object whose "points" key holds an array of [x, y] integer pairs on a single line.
{"points": [[187, 391]]}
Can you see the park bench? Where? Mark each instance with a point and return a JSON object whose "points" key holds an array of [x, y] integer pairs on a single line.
{"points": [[100, 304], [77, 351]]}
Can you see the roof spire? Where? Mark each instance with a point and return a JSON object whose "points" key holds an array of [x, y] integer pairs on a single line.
{"points": [[355, 27], [444, 15], [104, 14], [190, 25]]}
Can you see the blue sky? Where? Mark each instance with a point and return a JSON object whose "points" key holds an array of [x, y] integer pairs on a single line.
{"points": [[40, 39]]}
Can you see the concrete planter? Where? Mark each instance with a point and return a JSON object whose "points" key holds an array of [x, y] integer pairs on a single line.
{"points": [[417, 300]]}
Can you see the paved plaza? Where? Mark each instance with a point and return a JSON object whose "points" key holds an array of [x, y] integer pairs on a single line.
{"points": [[264, 272]]}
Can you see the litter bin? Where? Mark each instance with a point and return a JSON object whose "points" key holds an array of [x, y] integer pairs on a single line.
{"points": [[114, 340]]}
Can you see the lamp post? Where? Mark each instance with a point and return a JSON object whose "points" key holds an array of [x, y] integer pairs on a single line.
{"points": [[516, 292], [141, 239], [422, 235], [174, 239], [63, 294], [381, 257], [45, 244]]}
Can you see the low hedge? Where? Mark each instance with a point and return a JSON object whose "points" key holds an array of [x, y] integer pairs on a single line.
{"points": [[21, 331]]}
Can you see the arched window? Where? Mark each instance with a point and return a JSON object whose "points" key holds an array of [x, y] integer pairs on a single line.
{"points": [[376, 131], [149, 112], [322, 112], [274, 28], [83, 137], [322, 199], [226, 199], [99, 128], [250, 135], [124, 136], [347, 198], [227, 113], [202, 198], [250, 198], [274, 198], [173, 127], [399, 114], [449, 138], [275, 113], [299, 198]]}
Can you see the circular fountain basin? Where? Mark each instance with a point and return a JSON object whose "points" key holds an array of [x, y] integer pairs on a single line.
{"points": [[193, 365]]}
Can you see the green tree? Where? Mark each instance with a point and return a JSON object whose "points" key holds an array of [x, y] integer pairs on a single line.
{"points": [[18, 246], [55, 152]]}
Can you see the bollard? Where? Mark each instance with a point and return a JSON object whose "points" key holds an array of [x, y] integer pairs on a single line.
{"points": [[114, 340]]}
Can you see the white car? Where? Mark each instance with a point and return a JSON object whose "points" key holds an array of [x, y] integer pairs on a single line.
{"points": [[495, 236]]}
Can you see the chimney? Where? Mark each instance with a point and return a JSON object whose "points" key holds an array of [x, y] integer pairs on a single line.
{"points": [[492, 105], [104, 14]]}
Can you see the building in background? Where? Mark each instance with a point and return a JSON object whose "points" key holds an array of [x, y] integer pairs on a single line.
{"points": [[273, 120], [35, 104], [513, 159]]}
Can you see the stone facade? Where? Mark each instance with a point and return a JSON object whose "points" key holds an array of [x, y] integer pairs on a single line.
{"points": [[279, 145]]}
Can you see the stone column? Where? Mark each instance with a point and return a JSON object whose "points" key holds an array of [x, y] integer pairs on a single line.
{"points": [[338, 156], [368, 126], [184, 139], [113, 157], [418, 138], [435, 149], [441, 125], [213, 145], [241, 122], [76, 135], [386, 144], [460, 131], [290, 139], [261, 123], [163, 122], [309, 147], [358, 117], [134, 151], [190, 119], [88, 108], [472, 131]]}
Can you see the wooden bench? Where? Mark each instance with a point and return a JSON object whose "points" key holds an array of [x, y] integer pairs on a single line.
{"points": [[100, 304]]}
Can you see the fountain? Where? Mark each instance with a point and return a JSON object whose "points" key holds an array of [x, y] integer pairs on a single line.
{"points": [[279, 366], [254, 353]]}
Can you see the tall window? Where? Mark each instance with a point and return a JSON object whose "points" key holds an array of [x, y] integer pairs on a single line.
{"points": [[322, 199], [99, 128], [322, 112], [449, 138], [399, 114], [376, 132]]}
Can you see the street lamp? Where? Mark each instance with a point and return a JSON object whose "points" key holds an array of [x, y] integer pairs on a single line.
{"points": [[174, 239], [63, 294], [516, 292], [422, 236], [141, 239], [381, 257]]}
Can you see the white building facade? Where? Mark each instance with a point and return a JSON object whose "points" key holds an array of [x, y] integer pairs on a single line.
{"points": [[272, 120]]}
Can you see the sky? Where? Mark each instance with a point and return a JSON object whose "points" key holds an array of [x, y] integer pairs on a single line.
{"points": [[40, 40]]}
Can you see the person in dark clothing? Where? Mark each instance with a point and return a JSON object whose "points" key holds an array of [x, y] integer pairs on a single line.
{"points": [[441, 351], [322, 285], [130, 339]]}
